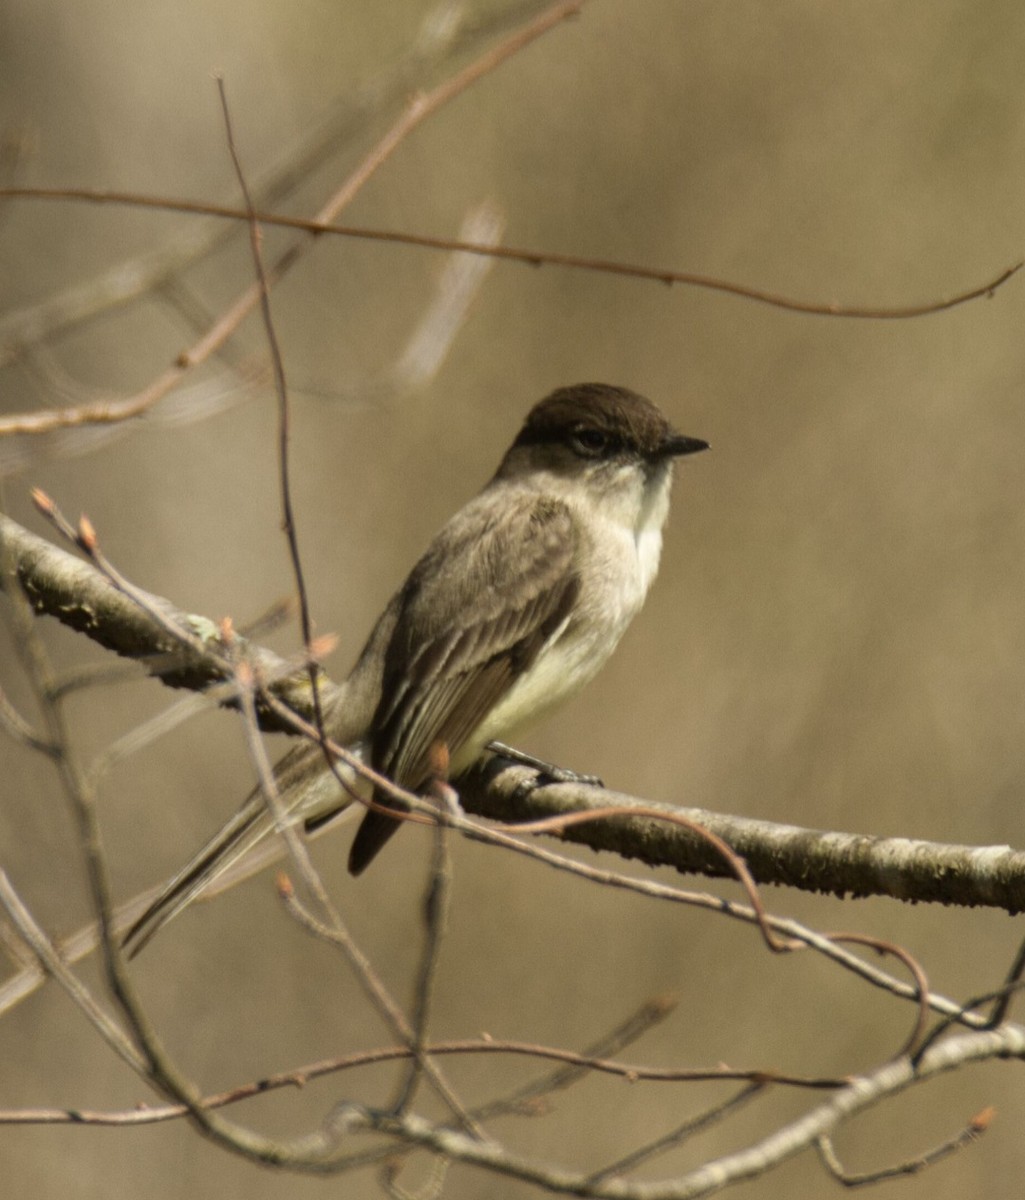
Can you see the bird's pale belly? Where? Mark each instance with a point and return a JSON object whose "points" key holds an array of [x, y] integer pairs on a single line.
{"points": [[574, 654]]}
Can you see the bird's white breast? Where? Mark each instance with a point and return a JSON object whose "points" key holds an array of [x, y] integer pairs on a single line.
{"points": [[617, 565]]}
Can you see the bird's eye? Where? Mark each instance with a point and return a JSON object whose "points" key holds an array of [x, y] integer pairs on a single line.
{"points": [[590, 442]]}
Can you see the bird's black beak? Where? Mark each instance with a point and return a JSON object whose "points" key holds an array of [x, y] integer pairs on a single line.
{"points": [[678, 445]]}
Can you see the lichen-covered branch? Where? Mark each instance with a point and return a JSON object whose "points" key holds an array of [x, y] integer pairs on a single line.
{"points": [[63, 586], [840, 864], [59, 584]]}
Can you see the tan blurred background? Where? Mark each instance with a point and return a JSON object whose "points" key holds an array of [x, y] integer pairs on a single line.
{"points": [[836, 639]]}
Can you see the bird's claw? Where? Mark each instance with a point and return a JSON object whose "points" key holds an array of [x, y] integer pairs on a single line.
{"points": [[546, 772]]}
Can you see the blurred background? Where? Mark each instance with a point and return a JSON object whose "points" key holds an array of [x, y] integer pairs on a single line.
{"points": [[836, 637]]}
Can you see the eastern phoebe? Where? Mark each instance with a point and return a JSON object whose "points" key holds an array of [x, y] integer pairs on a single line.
{"points": [[517, 603]]}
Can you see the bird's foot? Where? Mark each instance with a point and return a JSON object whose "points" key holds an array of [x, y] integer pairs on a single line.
{"points": [[546, 772]]}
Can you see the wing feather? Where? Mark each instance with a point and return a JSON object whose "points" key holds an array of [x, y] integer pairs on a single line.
{"points": [[473, 617]]}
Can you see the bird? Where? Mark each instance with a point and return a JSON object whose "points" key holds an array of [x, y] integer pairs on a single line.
{"points": [[516, 604]]}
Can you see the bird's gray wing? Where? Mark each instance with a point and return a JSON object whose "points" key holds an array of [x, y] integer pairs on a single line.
{"points": [[473, 616]]}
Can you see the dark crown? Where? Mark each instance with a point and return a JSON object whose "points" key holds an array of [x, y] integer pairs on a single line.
{"points": [[613, 419]]}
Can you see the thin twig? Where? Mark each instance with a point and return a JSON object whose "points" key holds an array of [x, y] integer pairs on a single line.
{"points": [[579, 1065], [999, 997], [792, 930], [18, 728], [736, 865], [147, 732], [269, 791], [437, 895], [917, 971], [534, 258], [1012, 985], [373, 986], [676, 1137], [49, 959], [527, 1099], [284, 477], [971, 1133]]}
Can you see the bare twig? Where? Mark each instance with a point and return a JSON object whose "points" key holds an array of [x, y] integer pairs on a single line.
{"points": [[1000, 997], [792, 930], [971, 1133], [917, 973], [416, 362], [338, 935], [269, 791], [529, 1097], [284, 478], [1012, 985], [437, 893], [50, 960], [676, 1137], [737, 866], [200, 400], [16, 727], [534, 258], [577, 1066]]}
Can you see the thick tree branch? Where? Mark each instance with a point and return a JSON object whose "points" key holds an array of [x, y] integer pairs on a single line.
{"points": [[61, 585], [841, 864]]}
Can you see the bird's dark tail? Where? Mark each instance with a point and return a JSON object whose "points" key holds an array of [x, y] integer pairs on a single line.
{"points": [[374, 831]]}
